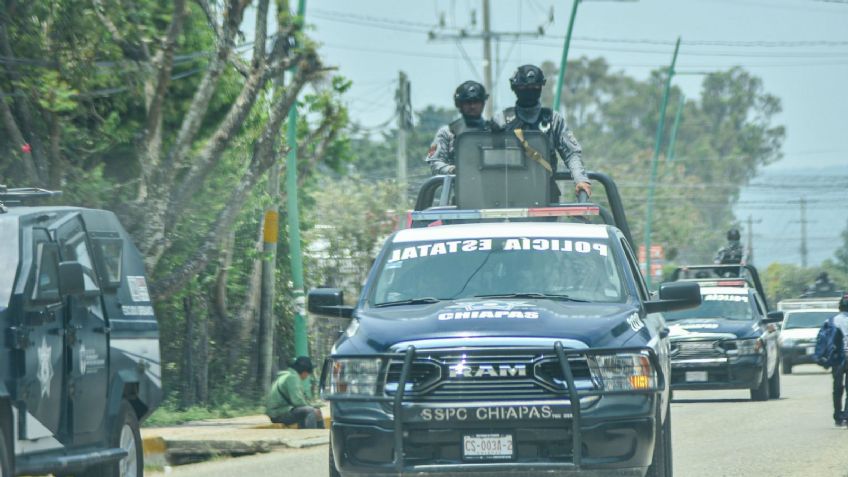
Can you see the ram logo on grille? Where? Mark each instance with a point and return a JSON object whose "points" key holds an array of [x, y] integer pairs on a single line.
{"points": [[463, 370]]}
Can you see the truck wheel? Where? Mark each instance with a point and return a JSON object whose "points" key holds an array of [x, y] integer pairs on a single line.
{"points": [[761, 393], [662, 462], [5, 459], [787, 367], [125, 434], [333, 471], [774, 384]]}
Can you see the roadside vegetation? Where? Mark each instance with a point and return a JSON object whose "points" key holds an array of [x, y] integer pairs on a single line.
{"points": [[163, 113]]}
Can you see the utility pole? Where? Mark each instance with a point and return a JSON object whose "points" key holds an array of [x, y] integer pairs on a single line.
{"points": [[487, 55], [677, 115], [657, 145], [486, 35], [404, 118], [301, 341], [270, 228], [803, 232], [750, 253]]}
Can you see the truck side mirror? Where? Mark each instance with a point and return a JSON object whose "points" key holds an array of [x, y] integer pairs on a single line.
{"points": [[71, 279], [675, 296], [328, 302]]}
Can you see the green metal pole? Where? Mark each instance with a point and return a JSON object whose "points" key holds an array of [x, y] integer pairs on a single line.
{"points": [[653, 180], [301, 343], [563, 64], [673, 141]]}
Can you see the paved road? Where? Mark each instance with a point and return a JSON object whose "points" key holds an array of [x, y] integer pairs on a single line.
{"points": [[716, 434]]}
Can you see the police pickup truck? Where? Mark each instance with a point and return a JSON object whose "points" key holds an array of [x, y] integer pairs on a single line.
{"points": [[502, 341], [79, 359], [730, 341]]}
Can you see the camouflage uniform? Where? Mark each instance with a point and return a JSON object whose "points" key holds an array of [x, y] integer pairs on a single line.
{"points": [[440, 157], [553, 125], [731, 254]]}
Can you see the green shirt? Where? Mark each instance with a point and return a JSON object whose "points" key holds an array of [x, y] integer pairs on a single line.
{"points": [[286, 394]]}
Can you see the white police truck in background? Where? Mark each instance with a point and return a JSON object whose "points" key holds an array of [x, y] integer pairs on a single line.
{"points": [[79, 359]]}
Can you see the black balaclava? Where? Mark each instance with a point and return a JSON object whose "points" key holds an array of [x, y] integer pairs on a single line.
{"points": [[528, 97]]}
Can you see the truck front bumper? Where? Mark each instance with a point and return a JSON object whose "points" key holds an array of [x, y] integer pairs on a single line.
{"points": [[743, 372]]}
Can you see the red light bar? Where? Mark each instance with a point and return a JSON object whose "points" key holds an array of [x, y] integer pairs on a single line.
{"points": [[732, 283]]}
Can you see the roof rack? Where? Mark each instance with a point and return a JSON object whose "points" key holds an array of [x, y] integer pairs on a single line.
{"points": [[18, 195]]}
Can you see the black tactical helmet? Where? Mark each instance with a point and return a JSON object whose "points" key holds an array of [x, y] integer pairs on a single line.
{"points": [[823, 276], [733, 234], [527, 75], [468, 92]]}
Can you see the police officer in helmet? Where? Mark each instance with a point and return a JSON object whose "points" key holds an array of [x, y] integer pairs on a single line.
{"points": [[469, 99], [733, 253], [529, 115]]}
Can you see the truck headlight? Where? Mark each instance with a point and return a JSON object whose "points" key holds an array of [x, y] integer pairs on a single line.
{"points": [[353, 376], [623, 371], [749, 346]]}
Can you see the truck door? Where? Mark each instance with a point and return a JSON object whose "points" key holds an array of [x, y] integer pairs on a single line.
{"points": [[38, 340], [86, 337]]}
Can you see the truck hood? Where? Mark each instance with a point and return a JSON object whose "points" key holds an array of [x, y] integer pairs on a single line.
{"points": [[695, 328], [577, 324]]}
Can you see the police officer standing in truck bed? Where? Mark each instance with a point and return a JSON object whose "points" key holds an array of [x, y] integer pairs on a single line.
{"points": [[529, 115], [469, 98]]}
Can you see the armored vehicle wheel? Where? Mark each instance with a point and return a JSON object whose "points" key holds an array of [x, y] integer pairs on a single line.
{"points": [[5, 459], [662, 463], [787, 368], [761, 393], [774, 384], [333, 471], [125, 434]]}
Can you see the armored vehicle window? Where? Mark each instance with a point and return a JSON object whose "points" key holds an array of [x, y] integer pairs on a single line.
{"points": [[634, 269], [109, 253], [46, 287], [74, 248], [563, 268], [9, 258]]}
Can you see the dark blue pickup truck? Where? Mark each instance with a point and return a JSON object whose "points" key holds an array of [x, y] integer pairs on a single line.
{"points": [[502, 341]]}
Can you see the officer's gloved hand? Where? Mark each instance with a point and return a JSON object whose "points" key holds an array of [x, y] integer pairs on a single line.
{"points": [[450, 169]]}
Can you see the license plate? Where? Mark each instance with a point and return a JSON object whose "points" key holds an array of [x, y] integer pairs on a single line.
{"points": [[696, 376], [811, 350], [487, 446]]}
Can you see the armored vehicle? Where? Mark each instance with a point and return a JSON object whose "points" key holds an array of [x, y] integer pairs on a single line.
{"points": [[731, 340], [492, 338], [79, 360]]}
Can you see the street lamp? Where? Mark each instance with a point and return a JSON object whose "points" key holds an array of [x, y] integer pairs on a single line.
{"points": [[564, 62]]}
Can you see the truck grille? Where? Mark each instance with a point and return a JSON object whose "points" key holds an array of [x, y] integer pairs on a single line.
{"points": [[486, 376], [696, 349]]}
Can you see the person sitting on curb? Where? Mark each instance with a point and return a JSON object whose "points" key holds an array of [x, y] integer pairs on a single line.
{"points": [[286, 402]]}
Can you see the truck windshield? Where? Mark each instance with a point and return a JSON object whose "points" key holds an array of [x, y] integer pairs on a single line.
{"points": [[8, 258], [717, 305], [556, 268], [806, 319]]}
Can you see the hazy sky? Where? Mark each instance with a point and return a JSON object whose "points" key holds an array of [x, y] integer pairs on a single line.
{"points": [[798, 47]]}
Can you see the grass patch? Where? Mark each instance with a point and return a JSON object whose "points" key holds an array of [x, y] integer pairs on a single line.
{"points": [[171, 415]]}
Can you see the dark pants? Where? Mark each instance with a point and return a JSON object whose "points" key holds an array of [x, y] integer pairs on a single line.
{"points": [[306, 417], [840, 380]]}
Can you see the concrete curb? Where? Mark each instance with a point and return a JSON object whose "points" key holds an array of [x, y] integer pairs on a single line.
{"points": [[204, 440]]}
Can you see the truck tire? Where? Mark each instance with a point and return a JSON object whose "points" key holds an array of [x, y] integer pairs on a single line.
{"points": [[334, 472], [761, 393], [125, 434], [662, 462], [774, 384], [5, 456], [787, 367]]}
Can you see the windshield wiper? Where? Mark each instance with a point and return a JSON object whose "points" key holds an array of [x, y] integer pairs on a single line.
{"points": [[550, 296], [412, 301]]}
